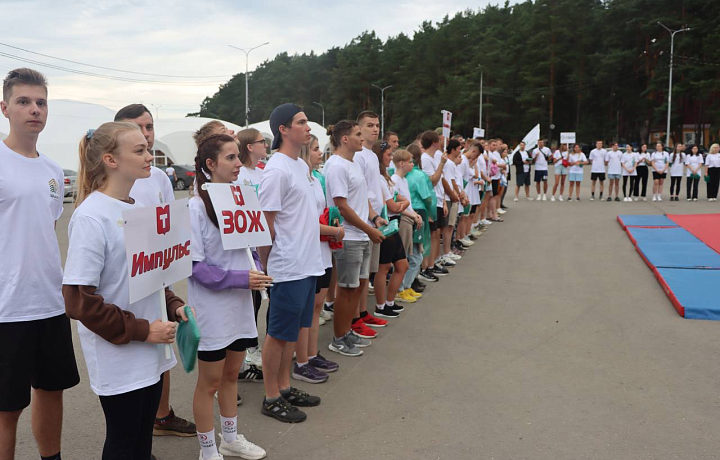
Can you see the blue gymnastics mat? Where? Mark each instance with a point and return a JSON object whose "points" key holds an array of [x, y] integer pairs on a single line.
{"points": [[679, 255], [692, 292], [670, 235], [650, 220]]}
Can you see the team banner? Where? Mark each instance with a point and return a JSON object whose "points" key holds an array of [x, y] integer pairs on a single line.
{"points": [[157, 244], [567, 138], [478, 132], [447, 121], [242, 222], [530, 139]]}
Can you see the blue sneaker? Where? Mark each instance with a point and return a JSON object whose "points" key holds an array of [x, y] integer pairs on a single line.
{"points": [[309, 374], [325, 365]]}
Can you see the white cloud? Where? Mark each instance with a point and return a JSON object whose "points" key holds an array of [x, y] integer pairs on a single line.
{"points": [[187, 37]]}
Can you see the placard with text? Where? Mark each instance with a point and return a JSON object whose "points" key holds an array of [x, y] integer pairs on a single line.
{"points": [[241, 220]]}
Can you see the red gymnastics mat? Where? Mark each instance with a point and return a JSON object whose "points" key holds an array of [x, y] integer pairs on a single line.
{"points": [[706, 227]]}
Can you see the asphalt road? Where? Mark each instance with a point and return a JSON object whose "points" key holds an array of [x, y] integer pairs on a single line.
{"points": [[551, 339]]}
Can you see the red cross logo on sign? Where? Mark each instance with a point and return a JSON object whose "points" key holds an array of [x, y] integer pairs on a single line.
{"points": [[163, 219]]}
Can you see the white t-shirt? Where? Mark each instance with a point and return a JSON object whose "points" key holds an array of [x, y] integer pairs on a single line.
{"points": [[558, 157], [370, 167], [696, 161], [388, 193], [659, 159], [597, 159], [677, 166], [450, 174], [154, 190], [96, 257], [575, 157], [249, 176], [712, 160], [642, 157], [471, 189], [286, 189], [226, 315], [629, 161], [541, 163], [344, 179], [31, 201], [525, 156], [403, 188], [320, 202], [429, 166], [613, 159], [495, 156], [170, 171]]}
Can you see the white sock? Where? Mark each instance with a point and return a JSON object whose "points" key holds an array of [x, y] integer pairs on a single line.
{"points": [[301, 364], [380, 306], [310, 358], [391, 303], [229, 428], [207, 444], [329, 304]]}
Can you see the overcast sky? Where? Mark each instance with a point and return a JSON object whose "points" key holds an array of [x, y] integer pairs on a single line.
{"points": [[187, 38]]}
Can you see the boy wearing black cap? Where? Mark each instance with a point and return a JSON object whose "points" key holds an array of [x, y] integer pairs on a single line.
{"points": [[294, 260]]}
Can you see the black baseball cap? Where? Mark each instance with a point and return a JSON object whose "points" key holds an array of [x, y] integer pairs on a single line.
{"points": [[280, 116]]}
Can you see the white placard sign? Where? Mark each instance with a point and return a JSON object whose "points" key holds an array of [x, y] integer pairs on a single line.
{"points": [[567, 138], [157, 244], [447, 121], [242, 222], [478, 132]]}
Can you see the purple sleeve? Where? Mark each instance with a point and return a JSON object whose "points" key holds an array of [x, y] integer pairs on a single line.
{"points": [[258, 264], [217, 279]]}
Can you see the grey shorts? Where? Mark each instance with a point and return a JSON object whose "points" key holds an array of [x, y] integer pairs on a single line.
{"points": [[352, 262], [374, 257]]}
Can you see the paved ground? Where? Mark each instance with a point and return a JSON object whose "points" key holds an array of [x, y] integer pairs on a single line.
{"points": [[550, 340]]}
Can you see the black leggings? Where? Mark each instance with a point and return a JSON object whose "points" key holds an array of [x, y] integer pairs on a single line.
{"points": [[692, 187], [675, 182], [713, 183], [642, 177], [129, 419], [633, 185]]}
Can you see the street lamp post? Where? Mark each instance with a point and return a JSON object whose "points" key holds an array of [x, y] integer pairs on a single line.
{"points": [[247, 55], [382, 108], [323, 112], [672, 52], [481, 91]]}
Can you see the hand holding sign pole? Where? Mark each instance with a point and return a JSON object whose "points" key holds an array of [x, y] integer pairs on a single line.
{"points": [[242, 222], [157, 245]]}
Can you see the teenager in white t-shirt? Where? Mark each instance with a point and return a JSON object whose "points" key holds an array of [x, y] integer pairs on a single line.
{"points": [[693, 163], [712, 171], [35, 334], [119, 339], [253, 149], [346, 189], [433, 167], [219, 290], [293, 261], [310, 366], [561, 170], [153, 191], [540, 157], [452, 201], [660, 163], [575, 174], [614, 168], [677, 168], [597, 169], [628, 162]]}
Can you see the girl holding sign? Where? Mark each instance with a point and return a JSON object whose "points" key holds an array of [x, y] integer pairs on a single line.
{"points": [[118, 338], [220, 289]]}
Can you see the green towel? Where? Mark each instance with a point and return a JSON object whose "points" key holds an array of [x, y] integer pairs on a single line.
{"points": [[188, 338], [335, 218], [707, 178], [392, 227]]}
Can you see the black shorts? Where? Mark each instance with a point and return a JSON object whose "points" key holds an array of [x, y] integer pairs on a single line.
{"points": [[323, 281], [473, 208], [657, 175], [433, 225], [523, 178], [391, 249], [442, 220], [597, 176], [219, 355], [36, 354], [541, 176], [495, 186]]}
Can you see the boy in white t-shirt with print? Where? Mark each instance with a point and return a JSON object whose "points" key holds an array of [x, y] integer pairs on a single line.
{"points": [[293, 261], [612, 159], [34, 331], [597, 169]]}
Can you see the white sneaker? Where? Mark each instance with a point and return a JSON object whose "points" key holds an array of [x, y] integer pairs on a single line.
{"points": [[467, 241], [254, 356], [539, 197], [501, 211], [515, 200], [528, 198], [447, 261], [654, 198], [475, 232], [561, 198], [635, 199], [592, 198], [553, 198], [243, 448], [694, 199], [659, 197], [321, 321], [452, 257], [544, 197], [486, 222], [326, 315], [214, 457], [644, 199]]}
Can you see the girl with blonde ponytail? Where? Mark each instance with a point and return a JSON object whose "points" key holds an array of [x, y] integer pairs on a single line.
{"points": [[118, 338]]}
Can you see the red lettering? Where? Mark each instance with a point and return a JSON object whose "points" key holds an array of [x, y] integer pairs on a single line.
{"points": [[238, 228], [137, 264], [158, 259], [169, 257], [237, 195], [255, 221], [149, 262], [228, 226]]}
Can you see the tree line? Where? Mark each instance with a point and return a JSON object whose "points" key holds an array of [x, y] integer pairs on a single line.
{"points": [[599, 68]]}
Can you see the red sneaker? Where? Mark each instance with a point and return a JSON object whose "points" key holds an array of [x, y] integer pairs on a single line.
{"points": [[361, 330], [374, 321]]}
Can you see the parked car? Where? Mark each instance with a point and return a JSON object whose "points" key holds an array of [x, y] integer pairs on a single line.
{"points": [[185, 175], [70, 182]]}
